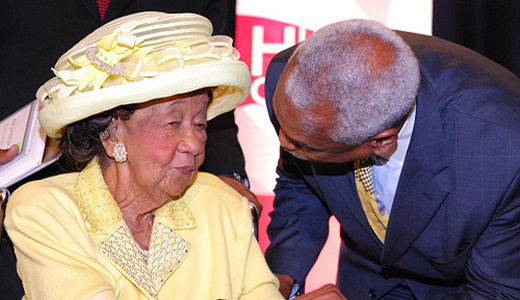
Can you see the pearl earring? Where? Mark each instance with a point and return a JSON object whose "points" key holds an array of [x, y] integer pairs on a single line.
{"points": [[120, 154]]}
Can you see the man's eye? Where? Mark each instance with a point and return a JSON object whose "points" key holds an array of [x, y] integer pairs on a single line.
{"points": [[301, 147], [201, 126]]}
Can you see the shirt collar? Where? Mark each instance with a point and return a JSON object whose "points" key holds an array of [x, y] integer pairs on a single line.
{"points": [[101, 211], [403, 141]]}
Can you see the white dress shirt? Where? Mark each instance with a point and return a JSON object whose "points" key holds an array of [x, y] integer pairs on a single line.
{"points": [[388, 169]]}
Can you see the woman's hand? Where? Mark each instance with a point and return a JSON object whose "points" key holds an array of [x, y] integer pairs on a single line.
{"points": [[8, 154]]}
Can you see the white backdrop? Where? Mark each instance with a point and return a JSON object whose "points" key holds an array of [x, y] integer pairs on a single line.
{"points": [[265, 27]]}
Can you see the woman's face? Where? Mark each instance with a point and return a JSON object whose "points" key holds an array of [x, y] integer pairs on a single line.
{"points": [[165, 141]]}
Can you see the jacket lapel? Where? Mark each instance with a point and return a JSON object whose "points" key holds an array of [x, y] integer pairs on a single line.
{"points": [[335, 181], [121, 249], [354, 205], [167, 248], [424, 182]]}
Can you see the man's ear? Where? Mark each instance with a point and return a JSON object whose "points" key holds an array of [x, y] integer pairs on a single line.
{"points": [[384, 142]]}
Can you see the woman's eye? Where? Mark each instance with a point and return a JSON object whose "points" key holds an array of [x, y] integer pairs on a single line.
{"points": [[174, 123]]}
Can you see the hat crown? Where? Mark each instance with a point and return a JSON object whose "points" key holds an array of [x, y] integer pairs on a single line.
{"points": [[133, 48], [138, 58]]}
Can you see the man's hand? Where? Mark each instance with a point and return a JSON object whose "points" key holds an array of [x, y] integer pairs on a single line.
{"points": [[244, 191], [286, 283], [326, 292], [9, 154]]}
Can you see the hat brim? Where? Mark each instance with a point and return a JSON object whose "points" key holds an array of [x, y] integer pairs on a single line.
{"points": [[231, 79]]}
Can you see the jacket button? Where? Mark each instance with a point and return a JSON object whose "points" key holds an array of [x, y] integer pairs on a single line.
{"points": [[372, 294]]}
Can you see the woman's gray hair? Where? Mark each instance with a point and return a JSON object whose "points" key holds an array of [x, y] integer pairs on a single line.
{"points": [[361, 70]]}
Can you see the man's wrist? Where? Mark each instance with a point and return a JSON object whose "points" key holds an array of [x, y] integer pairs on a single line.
{"points": [[242, 178], [295, 290], [286, 284]]}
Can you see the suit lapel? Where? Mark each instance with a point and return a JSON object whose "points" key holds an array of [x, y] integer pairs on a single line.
{"points": [[334, 184], [354, 204], [423, 184]]}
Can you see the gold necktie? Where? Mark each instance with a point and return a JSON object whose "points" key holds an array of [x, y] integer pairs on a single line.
{"points": [[365, 186]]}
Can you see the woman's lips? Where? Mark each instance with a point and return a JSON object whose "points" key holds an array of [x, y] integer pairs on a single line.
{"points": [[185, 169]]}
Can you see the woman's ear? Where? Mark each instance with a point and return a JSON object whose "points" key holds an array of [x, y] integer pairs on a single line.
{"points": [[384, 142], [108, 137]]}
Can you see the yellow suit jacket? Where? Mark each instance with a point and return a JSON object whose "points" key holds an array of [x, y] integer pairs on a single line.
{"points": [[71, 242]]}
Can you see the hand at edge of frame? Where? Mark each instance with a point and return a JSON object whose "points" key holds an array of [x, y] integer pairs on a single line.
{"points": [[7, 155]]}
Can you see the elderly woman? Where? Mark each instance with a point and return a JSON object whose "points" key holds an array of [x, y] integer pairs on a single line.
{"points": [[129, 104]]}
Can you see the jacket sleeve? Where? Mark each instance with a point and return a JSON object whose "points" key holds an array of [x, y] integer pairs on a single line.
{"points": [[299, 225], [55, 256], [258, 282], [493, 269]]}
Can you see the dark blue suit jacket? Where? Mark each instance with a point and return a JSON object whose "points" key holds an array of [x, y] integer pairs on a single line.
{"points": [[454, 229]]}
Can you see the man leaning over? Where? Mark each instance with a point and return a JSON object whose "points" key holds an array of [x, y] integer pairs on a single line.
{"points": [[412, 143]]}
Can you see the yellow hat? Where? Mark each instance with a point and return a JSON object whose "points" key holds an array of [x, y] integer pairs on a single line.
{"points": [[138, 58]]}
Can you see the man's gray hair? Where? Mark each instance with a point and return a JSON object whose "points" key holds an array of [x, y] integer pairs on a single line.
{"points": [[361, 70]]}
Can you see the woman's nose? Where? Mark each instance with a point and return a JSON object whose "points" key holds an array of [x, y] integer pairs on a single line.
{"points": [[192, 141]]}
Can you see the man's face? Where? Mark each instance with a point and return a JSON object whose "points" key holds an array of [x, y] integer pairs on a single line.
{"points": [[304, 134]]}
